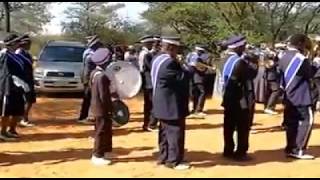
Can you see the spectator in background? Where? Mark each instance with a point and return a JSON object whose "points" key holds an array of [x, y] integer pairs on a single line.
{"points": [[131, 56]]}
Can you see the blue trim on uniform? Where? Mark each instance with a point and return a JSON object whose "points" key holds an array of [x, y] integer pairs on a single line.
{"points": [[158, 61], [228, 67], [20, 53], [292, 70], [16, 59]]}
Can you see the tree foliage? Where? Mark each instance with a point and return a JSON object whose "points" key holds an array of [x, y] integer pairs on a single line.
{"points": [[208, 22], [24, 16], [86, 18]]}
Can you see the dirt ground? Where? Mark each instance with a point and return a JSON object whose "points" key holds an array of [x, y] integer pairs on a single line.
{"points": [[58, 147]]}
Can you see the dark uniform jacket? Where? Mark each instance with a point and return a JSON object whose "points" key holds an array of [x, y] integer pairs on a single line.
{"points": [[171, 90], [299, 91], [5, 77], [147, 59], [28, 66], [239, 89], [101, 104]]}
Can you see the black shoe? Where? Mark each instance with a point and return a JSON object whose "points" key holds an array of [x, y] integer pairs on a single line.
{"points": [[161, 163], [242, 157], [13, 134], [5, 137], [228, 155]]}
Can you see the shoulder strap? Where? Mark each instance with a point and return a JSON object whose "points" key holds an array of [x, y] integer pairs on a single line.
{"points": [[156, 64], [16, 59], [228, 67], [20, 53], [292, 69]]}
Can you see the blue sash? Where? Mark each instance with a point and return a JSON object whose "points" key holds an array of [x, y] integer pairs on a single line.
{"points": [[228, 68], [22, 56], [292, 69], [156, 64], [16, 59]]}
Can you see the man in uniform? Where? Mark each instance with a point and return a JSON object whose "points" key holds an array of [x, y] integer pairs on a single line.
{"points": [[238, 98], [88, 66], [272, 81], [200, 55], [296, 74], [170, 103], [22, 53], [12, 88], [149, 122]]}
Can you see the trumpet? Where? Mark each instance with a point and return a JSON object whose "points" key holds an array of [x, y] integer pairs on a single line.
{"points": [[202, 66]]}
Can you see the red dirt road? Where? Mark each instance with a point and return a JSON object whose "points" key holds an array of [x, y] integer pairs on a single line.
{"points": [[58, 147]]}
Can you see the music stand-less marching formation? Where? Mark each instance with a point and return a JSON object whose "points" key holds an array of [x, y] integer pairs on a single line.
{"points": [[168, 81]]}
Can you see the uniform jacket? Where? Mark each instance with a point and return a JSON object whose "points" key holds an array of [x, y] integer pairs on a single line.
{"points": [[299, 91], [170, 90], [239, 89]]}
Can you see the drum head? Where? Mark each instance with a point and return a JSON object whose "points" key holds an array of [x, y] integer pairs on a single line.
{"points": [[121, 113], [127, 79]]}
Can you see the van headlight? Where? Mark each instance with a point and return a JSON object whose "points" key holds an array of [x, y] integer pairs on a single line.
{"points": [[39, 72]]}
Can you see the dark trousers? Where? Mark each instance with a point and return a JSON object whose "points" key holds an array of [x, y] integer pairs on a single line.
{"points": [[317, 84], [85, 103], [102, 137], [171, 141], [148, 120], [236, 119], [199, 97], [273, 93], [299, 121]]}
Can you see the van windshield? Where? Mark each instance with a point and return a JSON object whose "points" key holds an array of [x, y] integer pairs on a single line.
{"points": [[62, 54]]}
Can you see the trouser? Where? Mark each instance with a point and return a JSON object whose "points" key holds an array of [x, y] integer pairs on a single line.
{"points": [[9, 122], [171, 141], [299, 121], [236, 119], [102, 137], [317, 83], [85, 103], [273, 93], [199, 97], [148, 120]]}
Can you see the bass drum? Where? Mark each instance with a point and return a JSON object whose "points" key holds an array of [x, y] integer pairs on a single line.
{"points": [[121, 114], [127, 79]]}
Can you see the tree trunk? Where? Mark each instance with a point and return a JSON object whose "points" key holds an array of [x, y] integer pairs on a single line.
{"points": [[7, 15]]}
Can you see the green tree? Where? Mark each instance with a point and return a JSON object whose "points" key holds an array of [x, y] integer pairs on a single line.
{"points": [[24, 16], [86, 18]]}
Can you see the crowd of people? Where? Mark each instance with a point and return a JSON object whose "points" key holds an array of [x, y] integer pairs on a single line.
{"points": [[290, 71]]}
